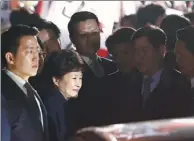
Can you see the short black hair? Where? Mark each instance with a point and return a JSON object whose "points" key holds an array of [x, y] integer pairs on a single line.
{"points": [[170, 25], [40, 43], [186, 35], [132, 18], [78, 17], [48, 25], [190, 16], [57, 64], [121, 35], [22, 16], [10, 39], [149, 14], [155, 35]]}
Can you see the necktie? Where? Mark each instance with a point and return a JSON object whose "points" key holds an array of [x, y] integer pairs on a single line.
{"points": [[146, 89], [31, 99]]}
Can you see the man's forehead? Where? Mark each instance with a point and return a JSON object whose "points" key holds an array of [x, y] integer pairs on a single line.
{"points": [[89, 25], [142, 41], [29, 41]]}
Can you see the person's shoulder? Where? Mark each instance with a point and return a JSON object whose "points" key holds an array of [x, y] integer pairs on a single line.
{"points": [[106, 60], [179, 77], [53, 99], [50, 98], [108, 64], [177, 73]]}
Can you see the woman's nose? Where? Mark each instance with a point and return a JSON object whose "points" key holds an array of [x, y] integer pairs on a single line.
{"points": [[79, 83]]}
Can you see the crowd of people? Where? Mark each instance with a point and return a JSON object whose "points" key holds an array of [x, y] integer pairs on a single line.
{"points": [[49, 93]]}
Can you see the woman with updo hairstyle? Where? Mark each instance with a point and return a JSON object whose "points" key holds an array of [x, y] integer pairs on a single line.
{"points": [[62, 75]]}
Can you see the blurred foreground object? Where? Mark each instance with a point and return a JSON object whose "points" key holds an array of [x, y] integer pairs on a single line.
{"points": [[28, 5], [93, 135], [162, 130]]}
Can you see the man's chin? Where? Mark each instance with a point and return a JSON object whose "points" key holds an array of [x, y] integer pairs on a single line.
{"points": [[33, 74], [142, 69], [74, 95]]}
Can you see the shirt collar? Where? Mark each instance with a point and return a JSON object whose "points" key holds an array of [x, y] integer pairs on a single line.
{"points": [[192, 82], [18, 80], [89, 60], [156, 76]]}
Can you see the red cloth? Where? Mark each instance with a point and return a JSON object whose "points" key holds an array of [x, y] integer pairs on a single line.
{"points": [[102, 53], [39, 7]]}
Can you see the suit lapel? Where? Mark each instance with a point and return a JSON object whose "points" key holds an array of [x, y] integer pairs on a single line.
{"points": [[44, 113], [106, 65], [165, 81], [12, 91], [10, 87], [162, 87]]}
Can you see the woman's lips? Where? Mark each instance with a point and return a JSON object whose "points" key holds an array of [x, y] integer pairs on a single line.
{"points": [[76, 90], [35, 66]]}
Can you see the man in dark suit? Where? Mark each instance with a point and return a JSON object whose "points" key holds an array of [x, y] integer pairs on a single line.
{"points": [[184, 50], [170, 24], [84, 33], [120, 46], [25, 110], [165, 92], [5, 127]]}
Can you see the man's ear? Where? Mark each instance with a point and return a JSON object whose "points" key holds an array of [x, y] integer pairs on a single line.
{"points": [[163, 50], [9, 58], [159, 20]]}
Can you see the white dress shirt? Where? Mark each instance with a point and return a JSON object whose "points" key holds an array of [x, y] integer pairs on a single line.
{"points": [[192, 82], [20, 82]]}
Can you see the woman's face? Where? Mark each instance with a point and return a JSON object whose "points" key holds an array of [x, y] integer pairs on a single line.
{"points": [[70, 84]]}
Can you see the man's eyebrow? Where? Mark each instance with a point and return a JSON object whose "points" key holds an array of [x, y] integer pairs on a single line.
{"points": [[88, 31], [31, 47]]}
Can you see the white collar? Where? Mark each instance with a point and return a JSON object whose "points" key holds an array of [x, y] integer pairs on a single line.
{"points": [[18, 80], [89, 60], [94, 65], [192, 82]]}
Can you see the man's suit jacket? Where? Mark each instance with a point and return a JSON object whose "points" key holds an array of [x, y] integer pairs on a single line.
{"points": [[25, 124], [192, 93], [125, 98], [5, 126], [89, 107], [170, 99], [170, 60]]}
